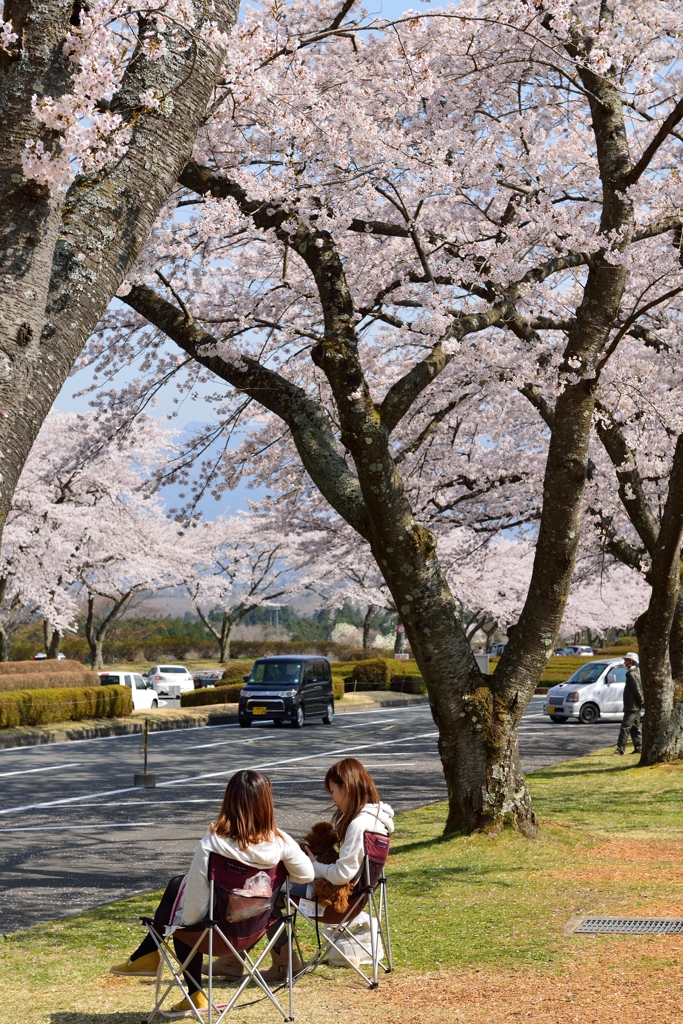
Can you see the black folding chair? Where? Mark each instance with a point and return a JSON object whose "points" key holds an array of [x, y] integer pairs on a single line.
{"points": [[370, 894], [236, 922]]}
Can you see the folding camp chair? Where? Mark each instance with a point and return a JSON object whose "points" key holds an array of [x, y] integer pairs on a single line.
{"points": [[370, 894], [227, 930]]}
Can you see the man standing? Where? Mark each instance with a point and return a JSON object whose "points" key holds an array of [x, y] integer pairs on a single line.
{"points": [[633, 702]]}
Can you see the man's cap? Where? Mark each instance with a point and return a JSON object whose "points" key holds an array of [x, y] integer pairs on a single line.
{"points": [[632, 657]]}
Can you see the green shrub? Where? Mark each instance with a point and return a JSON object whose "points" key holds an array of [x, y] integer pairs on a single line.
{"points": [[40, 679], [377, 671], [408, 684], [206, 696], [337, 687], [42, 707]]}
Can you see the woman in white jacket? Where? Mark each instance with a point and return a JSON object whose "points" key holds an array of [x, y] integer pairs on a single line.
{"points": [[244, 831], [359, 810]]}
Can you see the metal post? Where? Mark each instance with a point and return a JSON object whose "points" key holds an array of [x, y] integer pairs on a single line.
{"points": [[211, 957]]}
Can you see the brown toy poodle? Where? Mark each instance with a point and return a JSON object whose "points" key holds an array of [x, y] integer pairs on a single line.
{"points": [[322, 841]]}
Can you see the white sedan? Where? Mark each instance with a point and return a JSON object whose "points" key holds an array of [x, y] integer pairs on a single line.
{"points": [[144, 694], [163, 676]]}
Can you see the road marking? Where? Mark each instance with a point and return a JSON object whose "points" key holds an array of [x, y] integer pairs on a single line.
{"points": [[291, 760], [220, 743], [61, 828], [50, 768], [229, 771]]}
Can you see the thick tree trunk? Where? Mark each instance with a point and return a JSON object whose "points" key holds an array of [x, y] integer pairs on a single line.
{"points": [[62, 260], [367, 622], [225, 638], [5, 637], [663, 724], [54, 645]]}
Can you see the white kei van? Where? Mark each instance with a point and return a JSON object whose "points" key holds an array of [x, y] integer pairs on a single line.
{"points": [[595, 691]]}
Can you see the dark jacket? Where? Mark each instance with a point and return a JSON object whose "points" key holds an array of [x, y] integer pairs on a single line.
{"points": [[633, 690]]}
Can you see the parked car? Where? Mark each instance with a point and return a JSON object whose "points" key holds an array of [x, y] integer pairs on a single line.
{"points": [[42, 656], [161, 676], [207, 677], [287, 689], [580, 651], [144, 694], [595, 691], [563, 652], [496, 650]]}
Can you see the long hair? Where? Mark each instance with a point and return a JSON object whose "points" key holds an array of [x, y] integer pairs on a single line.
{"points": [[359, 786], [247, 813]]}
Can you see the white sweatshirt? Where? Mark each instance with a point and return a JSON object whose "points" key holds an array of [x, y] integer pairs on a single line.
{"points": [[372, 818], [195, 900]]}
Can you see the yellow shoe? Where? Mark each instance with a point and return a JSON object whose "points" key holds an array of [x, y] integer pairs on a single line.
{"points": [[144, 967], [199, 1001]]}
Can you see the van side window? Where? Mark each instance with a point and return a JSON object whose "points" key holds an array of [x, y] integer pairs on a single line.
{"points": [[325, 671]]}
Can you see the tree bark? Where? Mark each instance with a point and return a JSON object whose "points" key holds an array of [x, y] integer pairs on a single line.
{"points": [[663, 725], [63, 259], [367, 622]]}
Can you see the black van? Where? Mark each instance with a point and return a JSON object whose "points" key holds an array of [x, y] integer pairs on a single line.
{"points": [[290, 688]]}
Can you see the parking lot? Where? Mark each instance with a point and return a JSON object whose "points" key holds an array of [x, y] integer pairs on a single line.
{"points": [[75, 833]]}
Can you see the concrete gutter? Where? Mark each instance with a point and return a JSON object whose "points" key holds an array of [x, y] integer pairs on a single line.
{"points": [[162, 719]]}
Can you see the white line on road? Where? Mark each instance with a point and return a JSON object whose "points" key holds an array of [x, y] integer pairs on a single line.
{"points": [[61, 828], [220, 743], [50, 768], [229, 771]]}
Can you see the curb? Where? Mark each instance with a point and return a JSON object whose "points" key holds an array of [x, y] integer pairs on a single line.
{"points": [[161, 721]]}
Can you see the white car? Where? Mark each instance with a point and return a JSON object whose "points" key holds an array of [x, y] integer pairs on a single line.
{"points": [[144, 695], [162, 676], [595, 691]]}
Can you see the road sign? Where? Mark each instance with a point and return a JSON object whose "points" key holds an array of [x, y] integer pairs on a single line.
{"points": [[400, 629]]}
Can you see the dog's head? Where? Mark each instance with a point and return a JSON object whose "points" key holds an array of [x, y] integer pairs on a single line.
{"points": [[322, 837]]}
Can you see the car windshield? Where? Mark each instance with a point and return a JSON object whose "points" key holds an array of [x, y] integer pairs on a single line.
{"points": [[282, 672], [588, 673]]}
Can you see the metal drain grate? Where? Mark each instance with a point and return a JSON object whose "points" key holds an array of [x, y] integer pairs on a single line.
{"points": [[630, 926]]}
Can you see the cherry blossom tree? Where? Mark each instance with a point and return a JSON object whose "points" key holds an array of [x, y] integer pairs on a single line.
{"points": [[236, 564], [87, 514], [100, 103], [430, 249]]}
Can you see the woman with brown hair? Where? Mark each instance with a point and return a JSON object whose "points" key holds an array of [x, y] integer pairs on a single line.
{"points": [[244, 831], [359, 810]]}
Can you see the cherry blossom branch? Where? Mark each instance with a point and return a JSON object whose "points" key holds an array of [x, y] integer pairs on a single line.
{"points": [[309, 424], [674, 118]]}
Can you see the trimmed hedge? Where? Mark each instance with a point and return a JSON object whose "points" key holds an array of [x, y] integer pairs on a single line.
{"points": [[51, 665], [338, 688], [206, 696], [377, 671], [41, 680], [408, 684], [43, 707]]}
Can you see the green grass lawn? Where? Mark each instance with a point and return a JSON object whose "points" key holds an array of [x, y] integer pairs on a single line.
{"points": [[466, 903]]}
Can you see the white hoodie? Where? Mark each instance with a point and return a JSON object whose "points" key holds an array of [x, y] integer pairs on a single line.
{"points": [[372, 818], [195, 900]]}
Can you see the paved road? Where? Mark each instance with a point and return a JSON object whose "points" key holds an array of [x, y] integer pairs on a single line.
{"points": [[74, 833]]}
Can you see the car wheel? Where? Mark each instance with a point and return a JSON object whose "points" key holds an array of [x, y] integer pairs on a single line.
{"points": [[589, 714], [298, 719], [558, 718], [155, 703], [245, 723], [328, 717]]}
